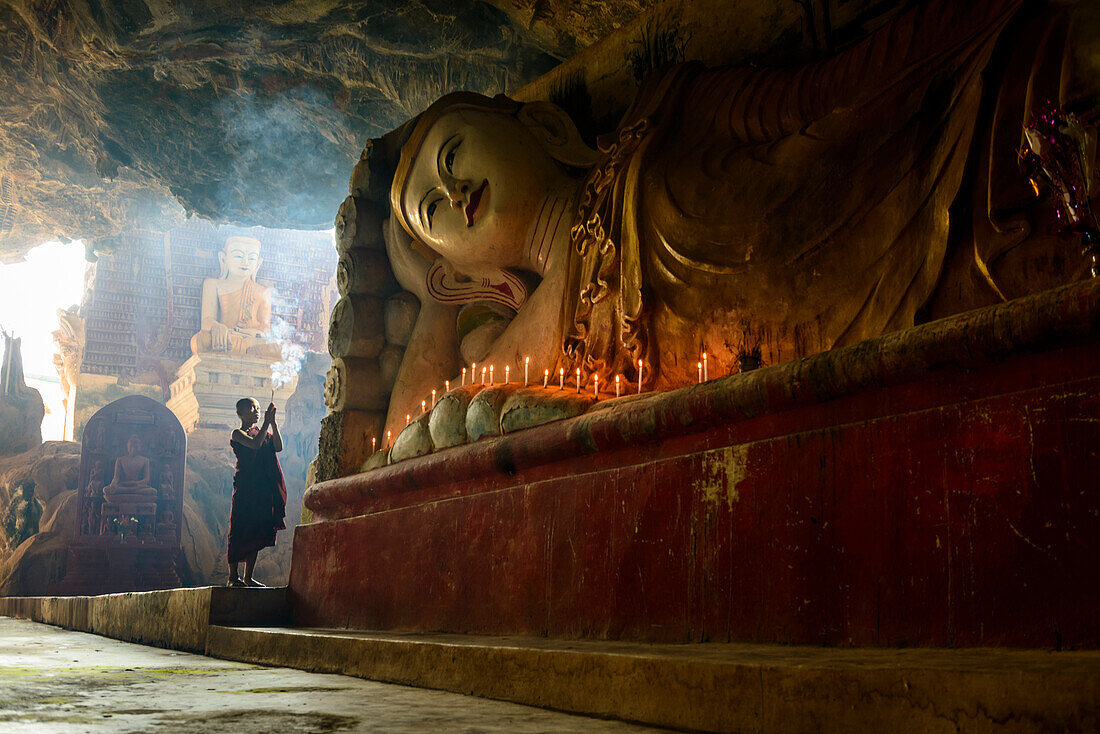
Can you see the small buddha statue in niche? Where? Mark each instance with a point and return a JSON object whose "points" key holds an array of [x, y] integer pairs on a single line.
{"points": [[794, 209], [236, 310], [93, 494], [131, 479], [167, 491]]}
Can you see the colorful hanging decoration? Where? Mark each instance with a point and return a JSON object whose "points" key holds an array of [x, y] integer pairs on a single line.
{"points": [[1056, 153]]}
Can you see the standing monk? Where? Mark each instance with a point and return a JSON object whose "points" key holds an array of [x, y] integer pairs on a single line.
{"points": [[259, 494]]}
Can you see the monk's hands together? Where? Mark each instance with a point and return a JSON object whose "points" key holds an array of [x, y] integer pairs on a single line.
{"points": [[269, 414]]}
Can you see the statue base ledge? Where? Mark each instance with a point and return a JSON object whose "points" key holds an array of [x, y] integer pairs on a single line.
{"points": [[925, 488], [208, 386]]}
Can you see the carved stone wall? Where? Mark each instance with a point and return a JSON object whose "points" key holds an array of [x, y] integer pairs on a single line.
{"points": [[370, 324]]}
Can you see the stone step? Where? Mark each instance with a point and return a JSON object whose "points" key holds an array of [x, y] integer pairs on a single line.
{"points": [[711, 687], [178, 619]]}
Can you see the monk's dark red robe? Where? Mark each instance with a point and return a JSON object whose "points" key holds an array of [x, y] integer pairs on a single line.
{"points": [[258, 506]]}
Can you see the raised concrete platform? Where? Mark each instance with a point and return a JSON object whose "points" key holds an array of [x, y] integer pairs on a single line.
{"points": [[55, 681], [712, 687], [703, 687], [931, 487], [178, 619]]}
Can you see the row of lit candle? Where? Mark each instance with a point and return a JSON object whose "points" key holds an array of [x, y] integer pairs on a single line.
{"points": [[702, 370]]}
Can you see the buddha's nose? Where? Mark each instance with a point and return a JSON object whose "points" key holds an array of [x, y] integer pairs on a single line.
{"points": [[457, 191]]}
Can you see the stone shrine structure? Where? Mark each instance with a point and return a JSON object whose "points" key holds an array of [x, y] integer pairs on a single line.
{"points": [[907, 481], [144, 305], [131, 501], [233, 352]]}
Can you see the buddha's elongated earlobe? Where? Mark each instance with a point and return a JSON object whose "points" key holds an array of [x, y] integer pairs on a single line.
{"points": [[501, 286], [553, 127]]}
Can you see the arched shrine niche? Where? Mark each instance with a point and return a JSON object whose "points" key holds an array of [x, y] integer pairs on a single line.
{"points": [[131, 474]]}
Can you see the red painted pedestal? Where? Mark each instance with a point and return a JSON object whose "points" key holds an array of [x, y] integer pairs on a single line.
{"points": [[938, 486]]}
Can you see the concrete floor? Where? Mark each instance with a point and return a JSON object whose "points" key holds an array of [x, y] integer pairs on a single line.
{"points": [[55, 680]]}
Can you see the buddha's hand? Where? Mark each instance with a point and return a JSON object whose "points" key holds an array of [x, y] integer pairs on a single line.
{"points": [[219, 337], [410, 267]]}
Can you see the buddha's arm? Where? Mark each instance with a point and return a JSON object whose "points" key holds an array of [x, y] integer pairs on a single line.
{"points": [[209, 313], [430, 358], [117, 479]]}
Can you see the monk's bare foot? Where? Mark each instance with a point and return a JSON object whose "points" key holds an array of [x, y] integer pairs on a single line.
{"points": [[253, 583], [236, 583]]}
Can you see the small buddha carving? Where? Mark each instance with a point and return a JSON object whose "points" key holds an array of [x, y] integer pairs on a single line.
{"points": [[167, 491], [131, 480], [93, 494], [166, 525], [236, 310]]}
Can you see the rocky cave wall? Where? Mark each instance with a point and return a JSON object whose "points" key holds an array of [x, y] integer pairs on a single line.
{"points": [[135, 114]]}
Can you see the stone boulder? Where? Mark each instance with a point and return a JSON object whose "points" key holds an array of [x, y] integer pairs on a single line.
{"points": [[37, 563]]}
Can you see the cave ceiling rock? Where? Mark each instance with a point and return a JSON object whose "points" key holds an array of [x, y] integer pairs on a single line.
{"points": [[134, 114]]}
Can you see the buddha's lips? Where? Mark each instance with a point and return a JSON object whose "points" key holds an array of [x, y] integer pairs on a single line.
{"points": [[475, 199]]}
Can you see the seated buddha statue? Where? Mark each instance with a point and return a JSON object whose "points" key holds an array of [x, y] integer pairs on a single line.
{"points": [[131, 479], [236, 310], [738, 211]]}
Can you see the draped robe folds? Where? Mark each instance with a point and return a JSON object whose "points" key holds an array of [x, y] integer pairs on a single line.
{"points": [[793, 209], [258, 504], [245, 309]]}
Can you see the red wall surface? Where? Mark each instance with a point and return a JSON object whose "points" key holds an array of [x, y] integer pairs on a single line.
{"points": [[957, 505]]}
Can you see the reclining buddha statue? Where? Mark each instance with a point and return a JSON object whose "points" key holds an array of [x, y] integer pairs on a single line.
{"points": [[236, 310], [786, 211]]}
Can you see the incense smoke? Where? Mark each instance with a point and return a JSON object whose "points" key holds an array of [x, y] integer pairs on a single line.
{"points": [[286, 370]]}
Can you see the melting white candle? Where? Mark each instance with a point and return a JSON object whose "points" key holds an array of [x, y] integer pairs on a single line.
{"points": [[545, 377], [482, 375], [433, 398], [508, 374], [639, 377], [526, 364], [561, 378], [491, 374], [700, 367], [423, 407], [373, 444], [578, 379], [596, 386], [616, 386], [446, 386], [705, 378], [464, 377]]}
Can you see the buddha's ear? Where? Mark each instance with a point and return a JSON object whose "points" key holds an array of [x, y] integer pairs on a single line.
{"points": [[223, 265], [553, 127]]}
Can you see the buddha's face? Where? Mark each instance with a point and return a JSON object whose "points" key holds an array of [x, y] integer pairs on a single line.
{"points": [[241, 258], [133, 445], [475, 188]]}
